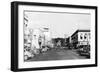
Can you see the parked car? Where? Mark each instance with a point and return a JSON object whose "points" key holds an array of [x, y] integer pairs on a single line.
{"points": [[28, 54], [45, 48], [84, 51]]}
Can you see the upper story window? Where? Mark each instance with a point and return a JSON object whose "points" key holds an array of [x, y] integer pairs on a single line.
{"points": [[85, 36], [81, 36]]}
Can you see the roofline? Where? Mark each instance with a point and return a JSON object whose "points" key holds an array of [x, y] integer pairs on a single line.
{"points": [[80, 30]]}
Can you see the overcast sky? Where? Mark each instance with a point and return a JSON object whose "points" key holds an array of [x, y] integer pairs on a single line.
{"points": [[59, 23]]}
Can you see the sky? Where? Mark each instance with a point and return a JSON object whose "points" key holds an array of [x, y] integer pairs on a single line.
{"points": [[59, 24]]}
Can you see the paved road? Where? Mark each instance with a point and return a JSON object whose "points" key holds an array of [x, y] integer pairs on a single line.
{"points": [[57, 54]]}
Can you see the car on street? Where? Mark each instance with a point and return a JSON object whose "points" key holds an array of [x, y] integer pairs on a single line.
{"points": [[84, 51], [28, 54]]}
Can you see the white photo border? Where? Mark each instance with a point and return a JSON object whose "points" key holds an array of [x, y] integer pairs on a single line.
{"points": [[34, 64]]}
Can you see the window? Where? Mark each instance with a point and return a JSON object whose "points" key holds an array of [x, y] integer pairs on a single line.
{"points": [[89, 36], [81, 36], [85, 36]]}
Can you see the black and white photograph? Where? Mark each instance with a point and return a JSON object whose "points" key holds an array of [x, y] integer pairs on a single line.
{"points": [[56, 36], [53, 36]]}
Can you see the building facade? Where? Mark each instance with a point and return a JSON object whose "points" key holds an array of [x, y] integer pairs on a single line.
{"points": [[80, 38]]}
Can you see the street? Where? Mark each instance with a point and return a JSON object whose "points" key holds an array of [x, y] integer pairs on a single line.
{"points": [[57, 54]]}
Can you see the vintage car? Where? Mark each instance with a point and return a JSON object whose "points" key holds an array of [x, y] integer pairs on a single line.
{"points": [[27, 52], [44, 49], [84, 51]]}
